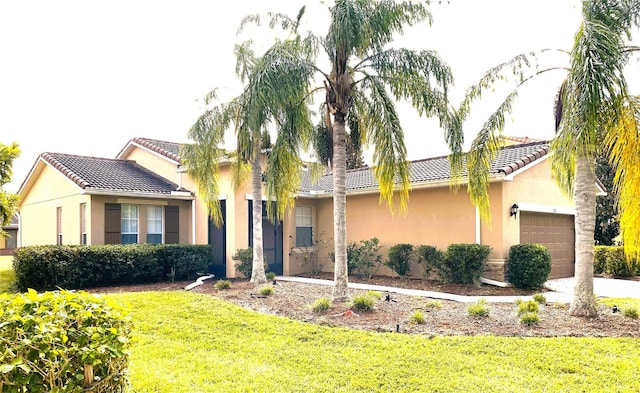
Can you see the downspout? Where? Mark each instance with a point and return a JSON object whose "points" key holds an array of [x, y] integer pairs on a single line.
{"points": [[193, 221], [478, 227], [19, 239]]}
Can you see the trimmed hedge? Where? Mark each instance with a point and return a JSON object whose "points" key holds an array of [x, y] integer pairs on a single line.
{"points": [[63, 342], [400, 258], [464, 263], [528, 265], [77, 267], [611, 260]]}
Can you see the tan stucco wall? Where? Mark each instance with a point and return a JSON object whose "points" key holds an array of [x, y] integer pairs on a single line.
{"points": [[435, 216], [38, 209], [535, 186]]}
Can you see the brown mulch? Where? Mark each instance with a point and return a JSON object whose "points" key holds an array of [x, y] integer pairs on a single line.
{"points": [[292, 300]]}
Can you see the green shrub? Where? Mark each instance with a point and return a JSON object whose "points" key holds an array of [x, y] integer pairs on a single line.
{"points": [[267, 290], [434, 304], [540, 298], [529, 318], [271, 276], [417, 317], [479, 308], [47, 339], [221, 285], [244, 256], [374, 294], [528, 265], [528, 306], [77, 267], [631, 312], [618, 265], [600, 259], [321, 305], [464, 263], [611, 260], [399, 259], [430, 258], [363, 303], [362, 257]]}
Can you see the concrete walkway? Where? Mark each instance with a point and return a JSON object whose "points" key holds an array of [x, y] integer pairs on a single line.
{"points": [[602, 287], [560, 290]]}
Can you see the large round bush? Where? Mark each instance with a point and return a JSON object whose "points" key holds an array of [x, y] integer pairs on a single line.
{"points": [[528, 265]]}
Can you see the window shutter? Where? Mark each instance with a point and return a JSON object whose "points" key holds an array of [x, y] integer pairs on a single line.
{"points": [[112, 223], [171, 225]]}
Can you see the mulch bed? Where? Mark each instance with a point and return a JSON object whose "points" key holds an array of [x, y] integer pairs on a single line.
{"points": [[292, 300]]}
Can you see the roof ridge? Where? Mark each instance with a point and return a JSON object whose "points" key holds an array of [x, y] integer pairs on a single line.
{"points": [[62, 168], [149, 144]]}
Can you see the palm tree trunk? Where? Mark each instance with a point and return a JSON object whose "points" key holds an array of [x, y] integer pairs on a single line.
{"points": [[583, 304], [341, 279], [257, 272]]}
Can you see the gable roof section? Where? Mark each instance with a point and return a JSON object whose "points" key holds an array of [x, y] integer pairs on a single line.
{"points": [[432, 170], [168, 150], [107, 176]]}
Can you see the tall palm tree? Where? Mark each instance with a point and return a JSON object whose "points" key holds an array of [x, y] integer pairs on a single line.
{"points": [[593, 109], [202, 157], [365, 76]]}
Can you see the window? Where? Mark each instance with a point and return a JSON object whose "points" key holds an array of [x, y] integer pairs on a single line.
{"points": [[154, 224], [83, 223], [304, 227], [12, 239], [129, 224], [58, 225]]}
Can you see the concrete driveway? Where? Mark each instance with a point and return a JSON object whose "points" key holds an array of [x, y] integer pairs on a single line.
{"points": [[605, 287]]}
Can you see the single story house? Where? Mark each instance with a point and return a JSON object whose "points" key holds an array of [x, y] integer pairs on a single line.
{"points": [[144, 195], [11, 242]]}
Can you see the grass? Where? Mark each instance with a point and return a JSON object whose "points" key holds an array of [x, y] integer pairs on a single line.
{"points": [[188, 342], [7, 276]]}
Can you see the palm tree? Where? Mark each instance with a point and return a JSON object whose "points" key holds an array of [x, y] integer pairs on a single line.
{"points": [[202, 157], [593, 109], [365, 78]]}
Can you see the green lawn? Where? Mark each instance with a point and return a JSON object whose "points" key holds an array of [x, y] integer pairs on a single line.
{"points": [[194, 343], [7, 275]]}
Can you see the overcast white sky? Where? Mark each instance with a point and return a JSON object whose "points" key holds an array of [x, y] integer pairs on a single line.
{"points": [[84, 77]]}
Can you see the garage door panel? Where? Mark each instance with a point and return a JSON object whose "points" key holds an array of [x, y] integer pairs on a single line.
{"points": [[556, 232]]}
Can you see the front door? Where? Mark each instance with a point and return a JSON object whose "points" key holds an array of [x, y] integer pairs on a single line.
{"points": [[271, 239], [218, 242]]}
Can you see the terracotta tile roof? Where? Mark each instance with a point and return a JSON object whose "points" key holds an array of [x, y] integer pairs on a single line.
{"points": [[168, 149], [510, 159], [109, 175]]}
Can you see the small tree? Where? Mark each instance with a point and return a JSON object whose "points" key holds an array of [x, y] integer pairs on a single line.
{"points": [[8, 201]]}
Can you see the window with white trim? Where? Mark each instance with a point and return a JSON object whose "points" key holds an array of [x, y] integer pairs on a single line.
{"points": [[154, 224], [304, 226], [129, 224]]}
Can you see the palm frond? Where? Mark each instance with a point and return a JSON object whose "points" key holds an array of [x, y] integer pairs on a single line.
{"points": [[201, 158], [381, 128], [360, 27], [484, 150], [623, 144]]}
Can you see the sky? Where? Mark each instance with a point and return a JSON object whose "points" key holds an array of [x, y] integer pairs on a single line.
{"points": [[84, 77]]}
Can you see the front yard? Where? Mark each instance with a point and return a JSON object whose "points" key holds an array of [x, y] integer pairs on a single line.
{"points": [[194, 342], [189, 342]]}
